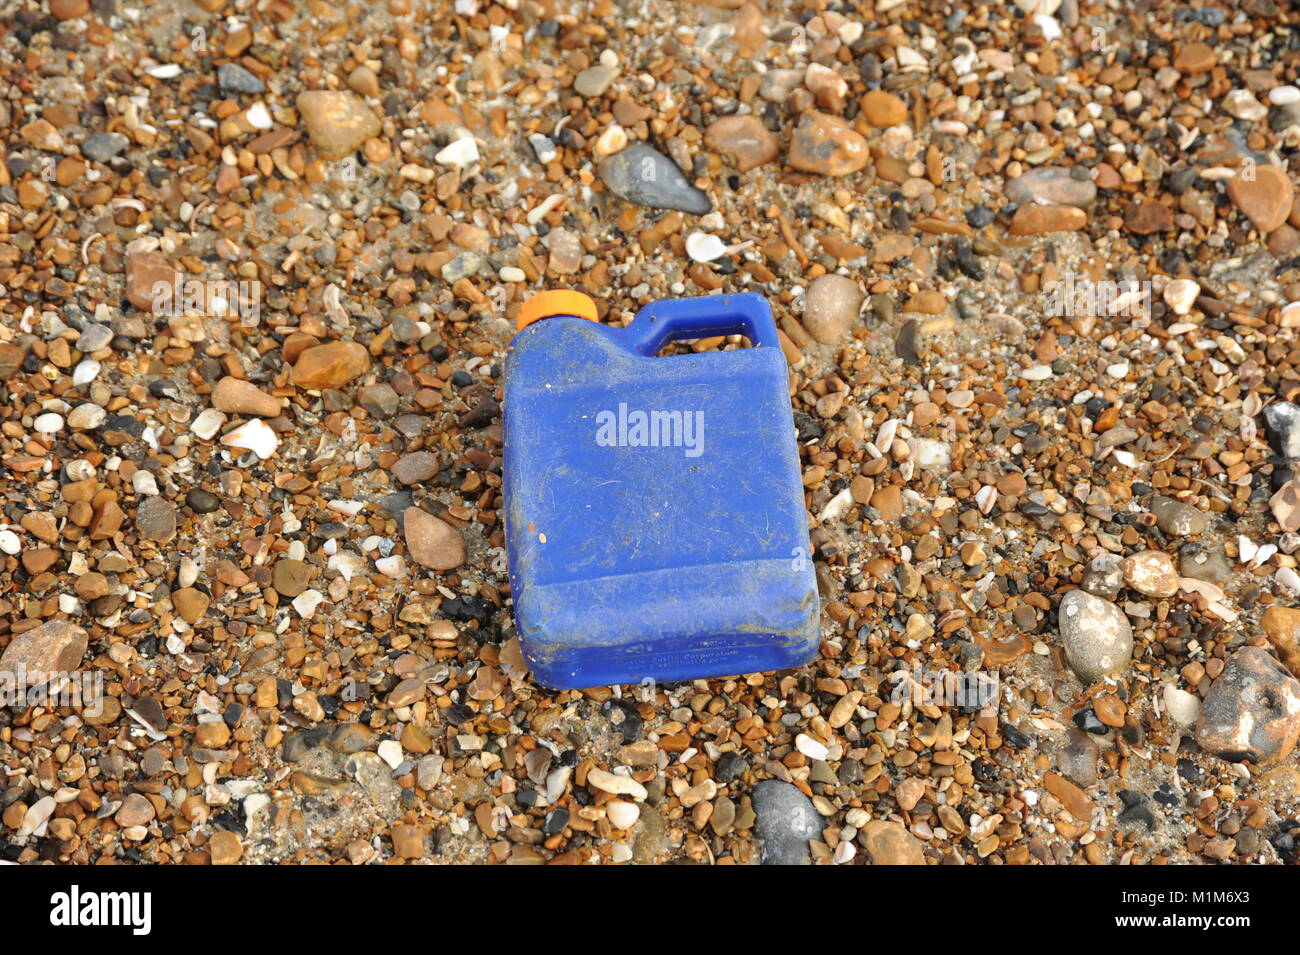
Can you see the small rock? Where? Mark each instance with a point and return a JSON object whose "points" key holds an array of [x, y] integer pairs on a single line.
{"points": [[785, 822], [744, 139], [1036, 219], [1265, 198], [415, 467], [1183, 707], [338, 122], [233, 78], [1151, 572], [431, 542], [1051, 185], [646, 177], [224, 848], [1096, 636], [1283, 421], [290, 577], [155, 519], [202, 502], [1147, 217], [1077, 759], [144, 270], [54, 646], [101, 147], [1282, 627], [408, 842], [889, 843], [69, 9], [594, 80], [622, 815], [1195, 58], [1204, 561], [883, 109], [190, 603], [1181, 294], [1252, 712], [331, 365], [1178, 519], [827, 145], [136, 810], [831, 307], [236, 396], [1286, 506], [11, 359]]}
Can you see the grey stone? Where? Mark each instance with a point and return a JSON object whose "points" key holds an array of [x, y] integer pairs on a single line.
{"points": [[594, 80], [1178, 519], [1077, 759], [646, 177], [1204, 561], [1283, 420], [1252, 712], [101, 147], [786, 821], [233, 78], [1096, 636]]}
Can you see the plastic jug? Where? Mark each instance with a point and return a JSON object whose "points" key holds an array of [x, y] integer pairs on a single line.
{"points": [[654, 511]]}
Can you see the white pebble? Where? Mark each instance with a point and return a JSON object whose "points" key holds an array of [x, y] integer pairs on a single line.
{"points": [[307, 602], [1038, 373], [1180, 295], [207, 424], [85, 372], [9, 543], [143, 482], [512, 274], [259, 117], [459, 153], [390, 751], [810, 747], [49, 423], [622, 815], [1183, 707]]}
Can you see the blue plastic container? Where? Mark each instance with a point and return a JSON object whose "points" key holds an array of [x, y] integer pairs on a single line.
{"points": [[653, 506]]}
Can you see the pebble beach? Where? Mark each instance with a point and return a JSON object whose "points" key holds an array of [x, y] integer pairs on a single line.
{"points": [[1036, 270]]}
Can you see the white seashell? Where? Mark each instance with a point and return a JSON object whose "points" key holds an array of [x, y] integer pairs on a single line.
{"points": [[885, 437], [703, 247], [836, 507], [1288, 578], [1245, 548], [253, 435], [985, 498], [168, 71]]}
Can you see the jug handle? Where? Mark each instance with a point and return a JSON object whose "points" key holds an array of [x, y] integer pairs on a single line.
{"points": [[745, 313]]}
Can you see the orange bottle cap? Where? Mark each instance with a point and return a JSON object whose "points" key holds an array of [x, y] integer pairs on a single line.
{"points": [[556, 302]]}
